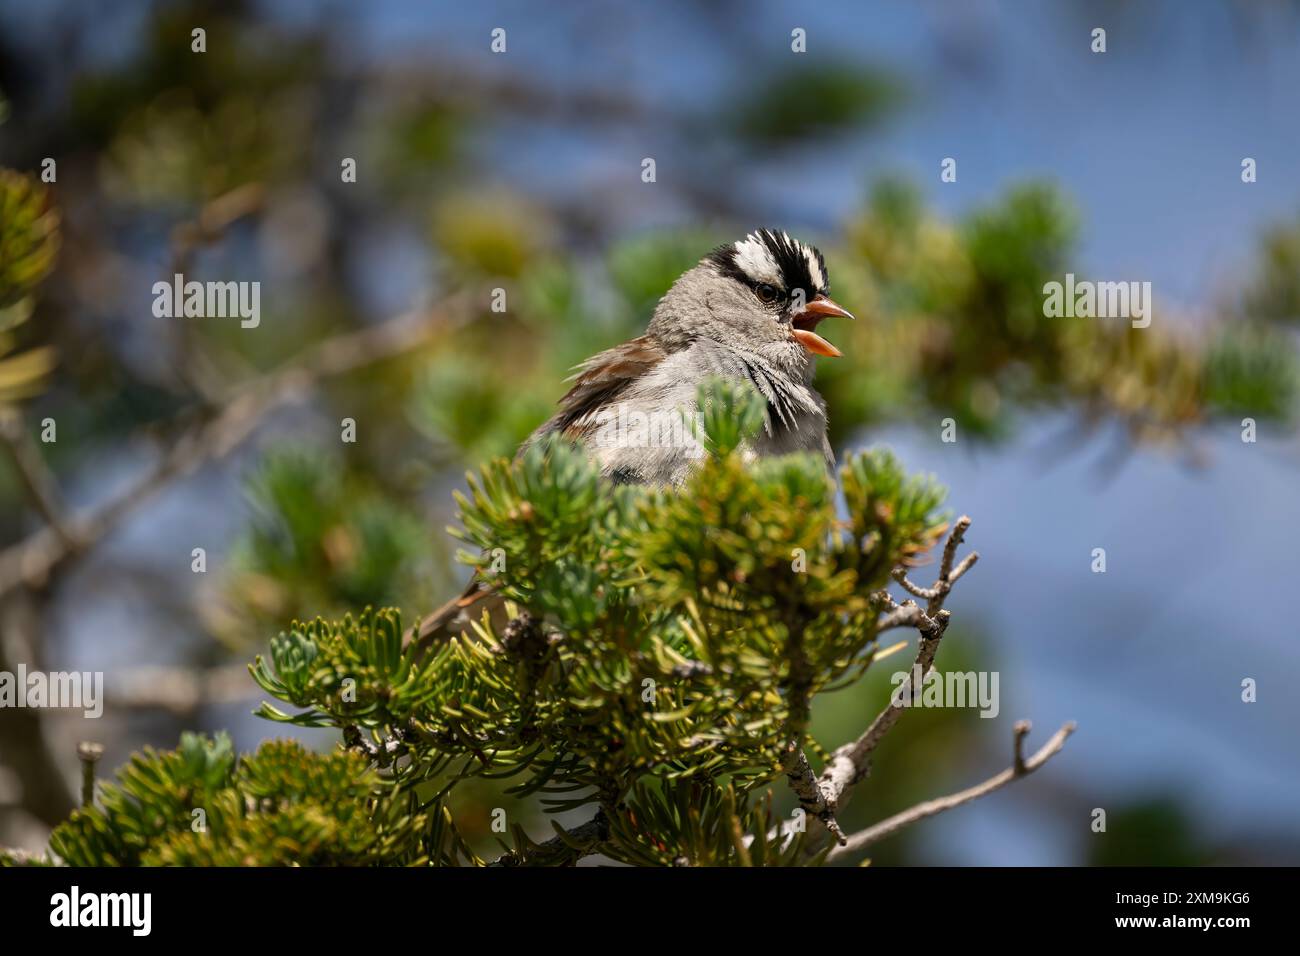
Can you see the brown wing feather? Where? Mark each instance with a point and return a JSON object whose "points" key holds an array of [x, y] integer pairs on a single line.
{"points": [[599, 382]]}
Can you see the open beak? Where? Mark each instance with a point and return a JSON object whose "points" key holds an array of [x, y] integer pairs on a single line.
{"points": [[820, 307]]}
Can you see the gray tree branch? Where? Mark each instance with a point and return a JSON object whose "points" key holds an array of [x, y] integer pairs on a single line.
{"points": [[1020, 768]]}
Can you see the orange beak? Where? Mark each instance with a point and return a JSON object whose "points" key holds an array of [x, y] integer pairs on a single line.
{"points": [[804, 322]]}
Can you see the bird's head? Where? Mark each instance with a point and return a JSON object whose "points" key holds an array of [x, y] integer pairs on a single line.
{"points": [[764, 293]]}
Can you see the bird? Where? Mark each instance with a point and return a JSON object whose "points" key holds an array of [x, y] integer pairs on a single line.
{"points": [[747, 312]]}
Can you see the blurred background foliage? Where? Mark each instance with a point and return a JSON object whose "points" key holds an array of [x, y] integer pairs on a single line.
{"points": [[28, 246], [477, 173]]}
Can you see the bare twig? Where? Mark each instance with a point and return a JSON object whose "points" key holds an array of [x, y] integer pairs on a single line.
{"points": [[925, 594], [815, 799], [909, 614], [1020, 732], [851, 763], [89, 753], [865, 745], [948, 575], [955, 538], [848, 764], [963, 566], [798, 771], [864, 838]]}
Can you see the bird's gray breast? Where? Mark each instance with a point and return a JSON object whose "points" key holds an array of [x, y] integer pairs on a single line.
{"points": [[649, 435]]}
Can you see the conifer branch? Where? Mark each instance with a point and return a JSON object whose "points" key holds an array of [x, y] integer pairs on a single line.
{"points": [[566, 848], [695, 588], [822, 796]]}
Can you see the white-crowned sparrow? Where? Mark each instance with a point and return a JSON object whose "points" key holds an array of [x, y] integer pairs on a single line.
{"points": [[747, 312]]}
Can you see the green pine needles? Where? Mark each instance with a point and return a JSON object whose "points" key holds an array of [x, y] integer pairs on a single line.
{"points": [[656, 675], [201, 806]]}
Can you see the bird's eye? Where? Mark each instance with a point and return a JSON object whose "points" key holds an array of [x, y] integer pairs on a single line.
{"points": [[766, 293]]}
